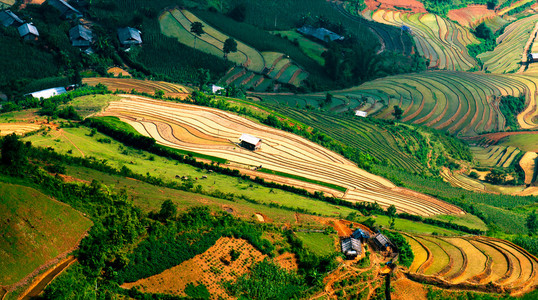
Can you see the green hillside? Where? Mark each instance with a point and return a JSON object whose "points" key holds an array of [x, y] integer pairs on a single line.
{"points": [[34, 229]]}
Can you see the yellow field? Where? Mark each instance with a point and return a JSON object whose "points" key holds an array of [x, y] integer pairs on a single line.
{"points": [[17, 128], [214, 132]]}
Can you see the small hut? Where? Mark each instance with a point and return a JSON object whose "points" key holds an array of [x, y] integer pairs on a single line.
{"points": [[351, 247], [249, 142]]}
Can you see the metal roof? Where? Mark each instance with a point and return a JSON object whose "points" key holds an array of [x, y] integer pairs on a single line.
{"points": [[351, 244], [533, 55], [129, 35], [80, 36], [48, 93], [26, 29], [247, 138], [64, 7], [382, 240], [7, 18]]}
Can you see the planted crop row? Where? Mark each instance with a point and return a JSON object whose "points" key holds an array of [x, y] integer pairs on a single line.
{"points": [[442, 41], [461, 103], [479, 263], [213, 132], [507, 55], [495, 156]]}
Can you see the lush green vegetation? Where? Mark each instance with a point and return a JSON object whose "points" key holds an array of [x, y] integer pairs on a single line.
{"points": [[510, 107], [319, 243], [404, 249], [442, 7], [267, 281]]}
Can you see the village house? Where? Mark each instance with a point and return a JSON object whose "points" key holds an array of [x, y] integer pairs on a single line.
{"points": [[8, 18], [249, 142], [361, 235], [28, 32], [66, 10], [351, 247], [129, 36], [80, 36], [381, 242]]}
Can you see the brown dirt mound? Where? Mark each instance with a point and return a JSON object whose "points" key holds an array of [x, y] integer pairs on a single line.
{"points": [[117, 71], [471, 15], [210, 268], [406, 5], [287, 261]]}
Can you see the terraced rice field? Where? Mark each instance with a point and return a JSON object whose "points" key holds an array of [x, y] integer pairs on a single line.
{"points": [[213, 132], [471, 15], [442, 41], [17, 128], [462, 181], [515, 4], [252, 64], [495, 156], [479, 263], [141, 86], [461, 103], [507, 56]]}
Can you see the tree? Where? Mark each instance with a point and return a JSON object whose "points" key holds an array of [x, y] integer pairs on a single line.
{"points": [[203, 77], [391, 213], [230, 45], [168, 210], [532, 222], [197, 29], [397, 113], [13, 151], [496, 176]]}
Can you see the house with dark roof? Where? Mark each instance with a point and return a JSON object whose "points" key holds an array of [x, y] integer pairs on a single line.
{"points": [[250, 142], [8, 18], [66, 10], [129, 36], [321, 34], [382, 242], [28, 32], [80, 36], [351, 247]]}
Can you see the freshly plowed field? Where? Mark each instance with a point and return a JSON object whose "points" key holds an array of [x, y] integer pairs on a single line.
{"points": [[461, 103], [141, 86], [214, 132], [442, 41], [17, 128], [480, 263], [471, 15], [208, 268]]}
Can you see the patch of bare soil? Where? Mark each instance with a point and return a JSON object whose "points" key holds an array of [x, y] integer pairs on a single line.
{"points": [[118, 71], [210, 268], [406, 289], [287, 261], [405, 5]]}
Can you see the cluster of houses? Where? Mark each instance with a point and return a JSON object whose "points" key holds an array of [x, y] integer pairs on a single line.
{"points": [[352, 246], [81, 36]]}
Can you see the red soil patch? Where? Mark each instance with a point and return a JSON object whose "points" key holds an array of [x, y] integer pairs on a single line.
{"points": [[210, 268], [287, 261], [405, 5], [471, 15]]}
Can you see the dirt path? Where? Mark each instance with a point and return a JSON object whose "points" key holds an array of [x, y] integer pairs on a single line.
{"points": [[43, 281], [61, 133]]}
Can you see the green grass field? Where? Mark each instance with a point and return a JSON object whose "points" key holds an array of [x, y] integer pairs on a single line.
{"points": [[309, 47], [33, 230], [88, 105], [319, 243], [525, 142]]}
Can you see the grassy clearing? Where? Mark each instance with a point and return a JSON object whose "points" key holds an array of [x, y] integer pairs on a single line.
{"points": [[35, 229], [410, 226], [332, 186], [468, 220], [319, 243], [88, 105], [149, 198], [309, 47], [525, 142]]}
